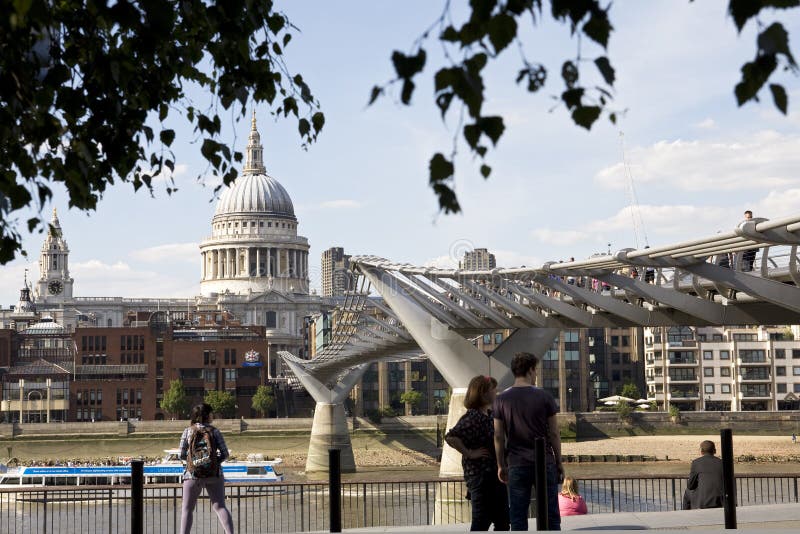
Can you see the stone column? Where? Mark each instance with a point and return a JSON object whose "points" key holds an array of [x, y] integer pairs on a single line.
{"points": [[48, 403], [258, 261], [21, 398], [247, 261]]}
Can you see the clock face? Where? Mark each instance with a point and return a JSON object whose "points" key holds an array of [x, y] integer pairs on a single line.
{"points": [[55, 287]]}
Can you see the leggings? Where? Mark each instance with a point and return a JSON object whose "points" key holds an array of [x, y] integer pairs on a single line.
{"points": [[215, 487]]}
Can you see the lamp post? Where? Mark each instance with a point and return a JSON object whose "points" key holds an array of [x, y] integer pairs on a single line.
{"points": [[569, 390], [708, 401]]}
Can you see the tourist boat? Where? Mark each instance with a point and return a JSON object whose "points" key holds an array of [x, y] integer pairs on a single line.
{"points": [[169, 470]]}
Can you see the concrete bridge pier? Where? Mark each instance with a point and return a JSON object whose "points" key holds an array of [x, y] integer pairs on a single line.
{"points": [[329, 428]]}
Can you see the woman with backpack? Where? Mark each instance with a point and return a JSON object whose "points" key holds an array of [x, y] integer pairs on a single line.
{"points": [[203, 448]]}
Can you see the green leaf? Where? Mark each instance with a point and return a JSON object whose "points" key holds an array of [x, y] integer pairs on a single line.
{"points": [[408, 90], [167, 136], [743, 10], [493, 127], [605, 68], [486, 170], [598, 28], [318, 121], [441, 168], [536, 75], [407, 66], [374, 94], [572, 97], [754, 76], [286, 38], [447, 198], [502, 31], [449, 34], [303, 126], [586, 115], [779, 97], [472, 134], [775, 40]]}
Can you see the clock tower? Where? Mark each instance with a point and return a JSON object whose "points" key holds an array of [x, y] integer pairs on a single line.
{"points": [[55, 284]]}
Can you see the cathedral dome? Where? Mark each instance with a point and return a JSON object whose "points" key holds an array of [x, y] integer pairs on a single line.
{"points": [[256, 193]]}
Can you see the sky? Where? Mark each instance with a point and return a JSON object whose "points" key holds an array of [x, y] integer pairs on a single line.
{"points": [[697, 161]]}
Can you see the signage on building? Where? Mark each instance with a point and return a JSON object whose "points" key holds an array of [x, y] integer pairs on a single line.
{"points": [[252, 359]]}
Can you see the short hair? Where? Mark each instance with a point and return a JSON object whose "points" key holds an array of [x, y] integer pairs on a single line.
{"points": [[522, 363], [707, 447], [748, 212], [478, 391], [201, 413]]}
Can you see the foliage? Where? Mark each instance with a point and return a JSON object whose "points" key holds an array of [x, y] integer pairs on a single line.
{"points": [[223, 403], [263, 400], [624, 410], [412, 398], [493, 26], [630, 390], [376, 416], [82, 81], [175, 400], [674, 411]]}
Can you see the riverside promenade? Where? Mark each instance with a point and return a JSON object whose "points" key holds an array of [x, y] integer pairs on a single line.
{"points": [[768, 517]]}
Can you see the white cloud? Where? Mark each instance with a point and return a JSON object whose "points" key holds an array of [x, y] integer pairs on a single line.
{"points": [[512, 258], [442, 262], [778, 204], [675, 220], [766, 159], [706, 124], [170, 252], [559, 237], [97, 278], [166, 174], [340, 204]]}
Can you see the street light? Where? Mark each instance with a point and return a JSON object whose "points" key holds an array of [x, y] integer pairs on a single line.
{"points": [[708, 401], [570, 398]]}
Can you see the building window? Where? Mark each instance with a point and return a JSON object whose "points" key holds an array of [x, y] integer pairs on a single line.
{"points": [[498, 338], [797, 388], [716, 337], [487, 339], [796, 370], [725, 388], [724, 355], [780, 354], [271, 319], [709, 388], [780, 388], [724, 371], [626, 341], [230, 375], [744, 337], [615, 341], [795, 354], [708, 354], [780, 371], [708, 371]]}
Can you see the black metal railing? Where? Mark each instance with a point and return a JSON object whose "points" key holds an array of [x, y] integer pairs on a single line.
{"points": [[298, 507]]}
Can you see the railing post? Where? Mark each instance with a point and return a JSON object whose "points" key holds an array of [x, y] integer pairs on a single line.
{"points": [[613, 504], [44, 512], [728, 480], [364, 492], [541, 486], [674, 497], [302, 511], [137, 497], [428, 503], [335, 489], [111, 511]]}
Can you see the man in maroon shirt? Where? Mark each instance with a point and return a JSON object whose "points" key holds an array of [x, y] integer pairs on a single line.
{"points": [[523, 413]]}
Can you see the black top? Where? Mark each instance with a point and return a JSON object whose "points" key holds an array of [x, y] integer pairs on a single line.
{"points": [[475, 429], [524, 412]]}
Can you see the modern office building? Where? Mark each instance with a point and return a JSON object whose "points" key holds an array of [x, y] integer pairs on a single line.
{"points": [[336, 275], [724, 368]]}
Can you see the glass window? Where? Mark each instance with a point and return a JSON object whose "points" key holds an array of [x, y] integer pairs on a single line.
{"points": [[780, 354], [796, 370], [487, 339], [725, 388], [780, 371], [498, 338], [626, 341], [795, 354], [797, 388], [724, 371], [724, 355], [571, 335], [716, 337], [708, 354], [708, 371], [709, 388], [780, 388], [614, 341]]}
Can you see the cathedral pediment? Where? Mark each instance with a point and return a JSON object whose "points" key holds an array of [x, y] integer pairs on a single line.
{"points": [[271, 297]]}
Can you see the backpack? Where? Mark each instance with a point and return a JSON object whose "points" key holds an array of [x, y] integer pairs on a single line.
{"points": [[202, 460]]}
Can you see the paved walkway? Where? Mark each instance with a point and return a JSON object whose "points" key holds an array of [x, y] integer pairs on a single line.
{"points": [[765, 517]]}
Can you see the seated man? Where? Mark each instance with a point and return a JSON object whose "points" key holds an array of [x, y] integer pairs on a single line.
{"points": [[705, 478]]}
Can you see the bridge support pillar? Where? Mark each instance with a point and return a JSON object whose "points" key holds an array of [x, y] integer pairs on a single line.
{"points": [[329, 431], [329, 428]]}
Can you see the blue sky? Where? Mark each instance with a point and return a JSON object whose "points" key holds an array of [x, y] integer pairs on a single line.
{"points": [[556, 191]]}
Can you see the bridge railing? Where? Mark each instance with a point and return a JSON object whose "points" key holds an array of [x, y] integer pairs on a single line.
{"points": [[299, 507]]}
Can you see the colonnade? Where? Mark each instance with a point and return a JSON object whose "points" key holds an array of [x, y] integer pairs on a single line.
{"points": [[245, 262]]}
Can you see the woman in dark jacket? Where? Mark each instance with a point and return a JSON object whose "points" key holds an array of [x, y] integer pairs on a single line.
{"points": [[473, 437]]}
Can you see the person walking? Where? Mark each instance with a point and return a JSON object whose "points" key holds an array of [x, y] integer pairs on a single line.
{"points": [[203, 448], [570, 501], [473, 437], [749, 255], [705, 478], [522, 414]]}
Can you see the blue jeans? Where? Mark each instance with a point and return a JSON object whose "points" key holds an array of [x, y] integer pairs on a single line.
{"points": [[520, 485]]}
